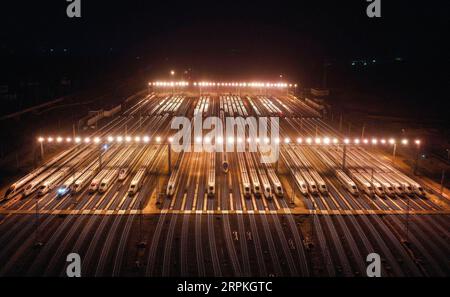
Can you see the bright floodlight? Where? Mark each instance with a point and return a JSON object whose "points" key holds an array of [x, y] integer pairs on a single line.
{"points": [[239, 140], [266, 140], [287, 140], [318, 140], [110, 139], [357, 141], [127, 138], [326, 140], [137, 139], [158, 139], [68, 139], [170, 139], [172, 72], [257, 140], [87, 140], [50, 139], [346, 141], [404, 141], [366, 141], [392, 141], [77, 139], [230, 139], [119, 138], [96, 140], [335, 141], [198, 139], [207, 139], [220, 139], [374, 141], [41, 139], [299, 140], [277, 140], [417, 141], [383, 141], [59, 139], [309, 140], [146, 139]]}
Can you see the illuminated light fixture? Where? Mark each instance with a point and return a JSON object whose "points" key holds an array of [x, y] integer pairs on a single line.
{"points": [[87, 140], [374, 141], [257, 140], [366, 141], [335, 141], [356, 141], [220, 139], [68, 139], [110, 139], [392, 141], [326, 140], [277, 140], [287, 140], [96, 140], [239, 140], [299, 140], [198, 139], [266, 140], [230, 139], [146, 139], [404, 141], [158, 139], [249, 140], [59, 139], [417, 141], [170, 139], [41, 139], [50, 139], [137, 139], [127, 138], [207, 140], [383, 141], [119, 138], [318, 140], [308, 140], [77, 139], [346, 141]]}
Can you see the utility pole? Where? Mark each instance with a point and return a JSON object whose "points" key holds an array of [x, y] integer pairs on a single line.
{"points": [[344, 156], [371, 183], [393, 153]]}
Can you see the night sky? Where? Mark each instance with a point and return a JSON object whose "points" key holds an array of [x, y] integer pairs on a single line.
{"points": [[223, 32]]}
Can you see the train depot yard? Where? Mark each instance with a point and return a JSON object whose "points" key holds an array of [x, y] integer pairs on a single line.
{"points": [[131, 204]]}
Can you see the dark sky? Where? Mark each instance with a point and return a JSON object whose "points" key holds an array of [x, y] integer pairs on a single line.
{"points": [[213, 35]]}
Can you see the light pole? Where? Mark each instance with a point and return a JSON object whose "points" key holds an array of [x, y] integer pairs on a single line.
{"points": [[394, 150], [344, 155]]}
